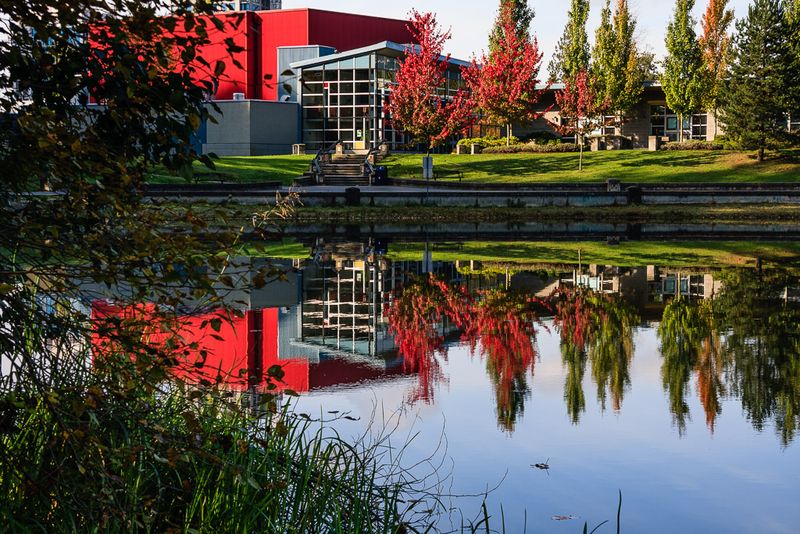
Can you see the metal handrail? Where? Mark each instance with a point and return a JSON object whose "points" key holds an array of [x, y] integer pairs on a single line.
{"points": [[316, 163]]}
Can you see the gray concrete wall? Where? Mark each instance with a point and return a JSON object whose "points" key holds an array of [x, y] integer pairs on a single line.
{"points": [[253, 128]]}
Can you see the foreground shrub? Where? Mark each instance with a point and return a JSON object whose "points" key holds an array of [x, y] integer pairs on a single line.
{"points": [[533, 148], [693, 145]]}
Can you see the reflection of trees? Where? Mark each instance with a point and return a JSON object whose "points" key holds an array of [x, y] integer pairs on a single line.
{"points": [[505, 325], [415, 318], [763, 346], [501, 323], [687, 344], [598, 327]]}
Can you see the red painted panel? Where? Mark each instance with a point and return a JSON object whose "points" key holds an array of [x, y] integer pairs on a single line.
{"points": [[345, 31], [287, 27]]}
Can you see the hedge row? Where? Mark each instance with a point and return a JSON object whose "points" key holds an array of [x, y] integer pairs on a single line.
{"points": [[485, 142], [532, 148], [692, 145]]}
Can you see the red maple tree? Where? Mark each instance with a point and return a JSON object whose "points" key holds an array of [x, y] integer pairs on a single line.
{"points": [[504, 86], [420, 103], [581, 111]]}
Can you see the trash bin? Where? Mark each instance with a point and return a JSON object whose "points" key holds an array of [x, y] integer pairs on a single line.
{"points": [[381, 175], [352, 196]]}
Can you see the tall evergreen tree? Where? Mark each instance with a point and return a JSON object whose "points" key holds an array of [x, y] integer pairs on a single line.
{"points": [[683, 77], [572, 52], [523, 16], [793, 16], [756, 96], [715, 44]]}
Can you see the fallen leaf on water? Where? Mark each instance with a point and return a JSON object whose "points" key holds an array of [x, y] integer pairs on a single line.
{"points": [[563, 517]]}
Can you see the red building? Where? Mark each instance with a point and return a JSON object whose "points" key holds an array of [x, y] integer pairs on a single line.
{"points": [[261, 33]]}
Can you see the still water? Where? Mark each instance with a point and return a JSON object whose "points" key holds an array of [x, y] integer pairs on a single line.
{"points": [[553, 387]]}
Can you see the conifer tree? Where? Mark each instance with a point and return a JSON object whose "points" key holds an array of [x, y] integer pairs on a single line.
{"points": [[684, 76], [572, 52], [522, 14], [715, 44], [756, 96], [793, 17]]}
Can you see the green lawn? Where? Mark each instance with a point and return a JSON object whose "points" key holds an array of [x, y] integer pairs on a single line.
{"points": [[625, 165], [244, 169]]}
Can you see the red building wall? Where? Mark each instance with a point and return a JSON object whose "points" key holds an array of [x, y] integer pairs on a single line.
{"points": [[261, 33]]}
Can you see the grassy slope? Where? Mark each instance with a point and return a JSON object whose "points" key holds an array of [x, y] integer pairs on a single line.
{"points": [[626, 165], [245, 169]]}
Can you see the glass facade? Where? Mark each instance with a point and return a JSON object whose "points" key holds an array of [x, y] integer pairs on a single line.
{"points": [[344, 100], [664, 123]]}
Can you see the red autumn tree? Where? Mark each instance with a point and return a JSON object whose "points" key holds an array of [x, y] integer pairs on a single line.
{"points": [[580, 111], [504, 86], [420, 103]]}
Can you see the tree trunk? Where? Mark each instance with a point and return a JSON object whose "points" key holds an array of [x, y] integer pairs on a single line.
{"points": [[580, 157], [761, 153], [680, 128], [508, 134]]}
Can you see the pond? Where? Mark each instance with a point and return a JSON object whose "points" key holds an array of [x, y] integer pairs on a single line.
{"points": [[548, 389]]}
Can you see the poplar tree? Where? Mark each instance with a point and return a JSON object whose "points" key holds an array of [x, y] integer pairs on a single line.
{"points": [[627, 88], [522, 14], [603, 53], [616, 60], [572, 52], [756, 96], [715, 45], [684, 74]]}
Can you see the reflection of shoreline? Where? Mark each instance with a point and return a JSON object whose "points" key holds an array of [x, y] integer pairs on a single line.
{"points": [[328, 325]]}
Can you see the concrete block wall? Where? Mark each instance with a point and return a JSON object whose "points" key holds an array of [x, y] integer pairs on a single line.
{"points": [[253, 128]]}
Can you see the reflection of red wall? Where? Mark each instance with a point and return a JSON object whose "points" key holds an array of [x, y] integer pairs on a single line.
{"points": [[337, 372], [243, 347]]}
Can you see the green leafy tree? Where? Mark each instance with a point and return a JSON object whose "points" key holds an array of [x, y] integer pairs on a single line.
{"points": [[603, 53], [715, 44], [759, 90], [522, 14], [684, 74], [572, 52], [616, 60]]}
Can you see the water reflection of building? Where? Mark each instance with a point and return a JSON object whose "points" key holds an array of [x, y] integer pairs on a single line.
{"points": [[345, 291]]}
